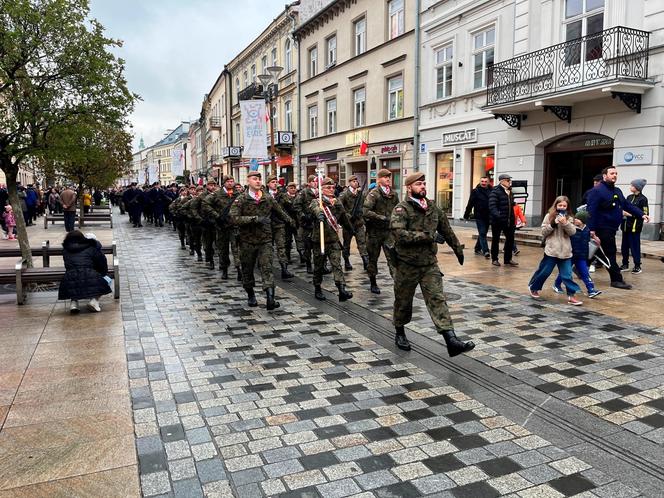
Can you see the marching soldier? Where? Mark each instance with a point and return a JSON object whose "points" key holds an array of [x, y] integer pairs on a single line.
{"points": [[216, 208], [305, 217], [353, 199], [208, 230], [190, 209], [278, 228], [417, 223], [334, 216], [287, 201], [252, 213], [175, 209], [378, 207]]}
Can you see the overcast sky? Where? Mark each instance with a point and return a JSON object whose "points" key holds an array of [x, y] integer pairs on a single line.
{"points": [[175, 49]]}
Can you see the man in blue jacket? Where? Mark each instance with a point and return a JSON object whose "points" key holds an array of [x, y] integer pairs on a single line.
{"points": [[606, 204]]}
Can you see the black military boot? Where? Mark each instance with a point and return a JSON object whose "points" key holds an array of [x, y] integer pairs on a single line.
{"points": [[302, 260], [239, 273], [224, 273], [284, 271], [309, 270], [211, 264], [182, 246], [401, 340], [454, 345], [271, 303], [344, 295], [347, 265], [200, 257], [365, 262], [191, 252], [251, 298], [318, 293], [374, 286]]}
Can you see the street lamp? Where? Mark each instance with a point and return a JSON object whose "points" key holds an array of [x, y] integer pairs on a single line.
{"points": [[159, 170], [270, 82]]}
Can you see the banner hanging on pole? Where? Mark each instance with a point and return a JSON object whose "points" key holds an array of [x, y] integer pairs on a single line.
{"points": [[177, 162], [254, 130]]}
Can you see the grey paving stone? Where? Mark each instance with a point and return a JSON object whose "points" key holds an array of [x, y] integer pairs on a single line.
{"points": [[247, 476], [282, 468], [197, 436], [376, 479], [352, 454], [155, 484], [248, 491], [339, 489], [189, 488], [182, 469], [149, 444], [280, 454], [211, 470]]}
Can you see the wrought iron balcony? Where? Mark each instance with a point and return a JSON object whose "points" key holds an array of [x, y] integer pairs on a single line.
{"points": [[215, 122], [215, 159], [254, 90], [234, 152], [617, 54]]}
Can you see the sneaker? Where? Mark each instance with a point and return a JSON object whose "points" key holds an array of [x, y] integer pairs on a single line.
{"points": [[495, 262], [557, 290], [487, 255], [591, 269], [636, 270], [574, 301], [478, 252], [624, 268], [73, 308], [93, 305], [594, 293], [534, 294], [516, 251]]}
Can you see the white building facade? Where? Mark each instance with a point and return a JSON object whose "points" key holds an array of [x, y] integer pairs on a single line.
{"points": [[548, 91]]}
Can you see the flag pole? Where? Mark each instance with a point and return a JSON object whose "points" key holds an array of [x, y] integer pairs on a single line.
{"points": [[320, 204]]}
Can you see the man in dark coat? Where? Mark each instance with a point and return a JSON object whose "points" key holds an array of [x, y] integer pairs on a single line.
{"points": [[159, 201], [479, 205], [501, 212], [606, 204]]}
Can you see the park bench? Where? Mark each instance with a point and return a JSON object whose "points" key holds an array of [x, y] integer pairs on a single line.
{"points": [[89, 218], [22, 275]]}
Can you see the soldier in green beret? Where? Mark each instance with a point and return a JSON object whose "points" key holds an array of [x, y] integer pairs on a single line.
{"points": [[306, 218], [353, 199], [278, 228]]}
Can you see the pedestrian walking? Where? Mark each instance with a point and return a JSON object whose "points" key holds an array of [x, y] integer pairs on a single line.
{"points": [[557, 229], [352, 199], [416, 224], [501, 211], [87, 201], [632, 226], [478, 206]]}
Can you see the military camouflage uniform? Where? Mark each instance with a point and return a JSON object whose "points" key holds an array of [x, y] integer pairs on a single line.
{"points": [[348, 199], [207, 229], [213, 209], [255, 235], [305, 220], [177, 215], [414, 230], [288, 203], [278, 230], [193, 220], [332, 241], [377, 210]]}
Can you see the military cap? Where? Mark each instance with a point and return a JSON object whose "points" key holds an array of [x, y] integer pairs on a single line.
{"points": [[504, 176], [200, 187], [311, 178], [226, 178], [327, 181], [414, 177], [352, 178], [253, 173], [292, 184], [382, 173], [271, 178], [212, 182]]}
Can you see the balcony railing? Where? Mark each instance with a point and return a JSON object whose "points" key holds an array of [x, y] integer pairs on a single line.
{"points": [[215, 122], [252, 91], [617, 53], [215, 159]]}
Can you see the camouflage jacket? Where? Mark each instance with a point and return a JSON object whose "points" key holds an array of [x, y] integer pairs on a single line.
{"points": [[288, 203], [276, 220], [176, 206], [348, 199], [378, 208], [250, 215], [414, 231], [214, 208], [343, 220], [192, 209], [302, 203]]}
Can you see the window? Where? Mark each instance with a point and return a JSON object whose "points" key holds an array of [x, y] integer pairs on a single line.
{"points": [[583, 18], [483, 44], [331, 51], [287, 62], [313, 121], [360, 30], [245, 80], [331, 106], [444, 180], [274, 56], [396, 18], [237, 134], [483, 165], [313, 61], [360, 100], [263, 64], [237, 85], [288, 113], [253, 73], [395, 97], [444, 58]]}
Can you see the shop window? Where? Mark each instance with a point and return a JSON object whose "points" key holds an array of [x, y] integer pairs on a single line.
{"points": [[394, 165], [483, 163], [445, 181]]}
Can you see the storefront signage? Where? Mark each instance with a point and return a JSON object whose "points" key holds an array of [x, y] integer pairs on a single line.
{"points": [[626, 157], [356, 137], [598, 142], [319, 158], [389, 149], [460, 137]]}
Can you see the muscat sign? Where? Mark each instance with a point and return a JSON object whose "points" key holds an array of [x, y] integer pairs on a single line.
{"points": [[460, 137]]}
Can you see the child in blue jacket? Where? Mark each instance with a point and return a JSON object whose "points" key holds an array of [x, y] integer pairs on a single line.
{"points": [[580, 241]]}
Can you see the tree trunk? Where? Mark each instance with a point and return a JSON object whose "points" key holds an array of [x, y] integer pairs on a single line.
{"points": [[81, 209], [10, 172]]}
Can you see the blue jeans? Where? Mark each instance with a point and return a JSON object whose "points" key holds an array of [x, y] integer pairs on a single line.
{"points": [[482, 229], [545, 268], [581, 266], [631, 241]]}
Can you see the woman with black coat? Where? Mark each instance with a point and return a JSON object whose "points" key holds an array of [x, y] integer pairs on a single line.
{"points": [[86, 268]]}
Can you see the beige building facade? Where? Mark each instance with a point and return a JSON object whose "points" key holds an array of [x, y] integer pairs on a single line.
{"points": [[216, 124], [357, 100]]}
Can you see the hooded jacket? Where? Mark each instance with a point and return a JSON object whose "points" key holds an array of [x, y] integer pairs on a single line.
{"points": [[86, 267]]}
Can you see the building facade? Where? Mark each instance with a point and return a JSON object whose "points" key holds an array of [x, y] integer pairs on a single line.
{"points": [[215, 109], [357, 79], [549, 91], [196, 149]]}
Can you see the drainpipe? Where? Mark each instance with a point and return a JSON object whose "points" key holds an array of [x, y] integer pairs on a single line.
{"points": [[416, 113], [299, 116]]}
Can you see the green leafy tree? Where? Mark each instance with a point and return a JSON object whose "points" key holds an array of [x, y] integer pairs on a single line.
{"points": [[56, 66]]}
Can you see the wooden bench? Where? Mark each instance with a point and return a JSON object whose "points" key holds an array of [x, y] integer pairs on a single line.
{"points": [[89, 218], [46, 251]]}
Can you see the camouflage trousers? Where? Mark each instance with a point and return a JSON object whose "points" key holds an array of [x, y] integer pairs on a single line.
{"points": [[182, 230], [279, 242], [360, 238], [307, 243], [250, 254], [224, 238], [333, 255], [430, 279], [194, 234], [293, 233], [207, 239], [375, 242]]}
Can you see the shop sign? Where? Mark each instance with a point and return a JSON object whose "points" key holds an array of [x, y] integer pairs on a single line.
{"points": [[423, 148], [320, 158], [356, 137], [390, 149], [460, 137], [626, 157], [598, 142]]}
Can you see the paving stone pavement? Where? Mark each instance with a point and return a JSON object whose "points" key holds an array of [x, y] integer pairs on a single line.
{"points": [[236, 401]]}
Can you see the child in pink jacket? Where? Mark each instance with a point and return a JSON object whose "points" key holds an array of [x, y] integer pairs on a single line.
{"points": [[10, 222]]}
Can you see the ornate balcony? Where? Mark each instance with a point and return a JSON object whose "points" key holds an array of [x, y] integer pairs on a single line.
{"points": [[215, 159], [215, 122], [234, 152], [254, 90], [614, 61]]}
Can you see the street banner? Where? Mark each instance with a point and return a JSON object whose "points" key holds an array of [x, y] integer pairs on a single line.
{"points": [[253, 124], [153, 175], [177, 162], [141, 177]]}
